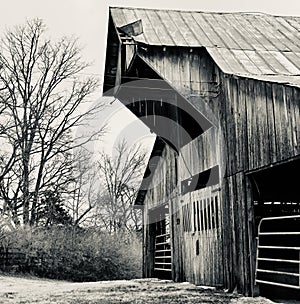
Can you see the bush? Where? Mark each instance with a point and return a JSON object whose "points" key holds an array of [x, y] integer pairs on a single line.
{"points": [[77, 254]]}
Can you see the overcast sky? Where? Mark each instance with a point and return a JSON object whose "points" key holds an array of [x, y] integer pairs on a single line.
{"points": [[87, 19]]}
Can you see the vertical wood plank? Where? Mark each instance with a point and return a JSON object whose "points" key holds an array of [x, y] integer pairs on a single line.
{"points": [[271, 124], [251, 121], [195, 72], [296, 99]]}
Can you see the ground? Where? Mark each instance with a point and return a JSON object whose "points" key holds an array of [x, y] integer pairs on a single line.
{"points": [[19, 290]]}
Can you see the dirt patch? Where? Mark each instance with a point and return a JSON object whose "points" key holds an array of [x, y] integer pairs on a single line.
{"points": [[19, 290]]}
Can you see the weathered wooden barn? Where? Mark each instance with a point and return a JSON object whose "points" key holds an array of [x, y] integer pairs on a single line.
{"points": [[222, 93]]}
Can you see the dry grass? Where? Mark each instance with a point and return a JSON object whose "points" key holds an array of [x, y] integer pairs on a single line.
{"points": [[19, 290]]}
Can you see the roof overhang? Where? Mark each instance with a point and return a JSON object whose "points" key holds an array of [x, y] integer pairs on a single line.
{"points": [[163, 109], [168, 114]]}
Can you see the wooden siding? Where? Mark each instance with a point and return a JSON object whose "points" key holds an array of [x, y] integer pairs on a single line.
{"points": [[163, 180], [256, 126], [202, 267], [201, 154], [238, 233], [190, 71], [261, 125], [261, 128], [260, 120], [176, 239]]}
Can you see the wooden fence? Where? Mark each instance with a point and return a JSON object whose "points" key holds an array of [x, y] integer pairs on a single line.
{"points": [[14, 259]]}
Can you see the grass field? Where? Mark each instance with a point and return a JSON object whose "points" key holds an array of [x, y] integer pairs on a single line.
{"points": [[27, 290]]}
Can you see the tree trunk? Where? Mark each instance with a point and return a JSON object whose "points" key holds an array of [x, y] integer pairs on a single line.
{"points": [[26, 189]]}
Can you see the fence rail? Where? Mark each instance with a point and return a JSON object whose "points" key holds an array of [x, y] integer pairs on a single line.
{"points": [[14, 258], [278, 252], [163, 256]]}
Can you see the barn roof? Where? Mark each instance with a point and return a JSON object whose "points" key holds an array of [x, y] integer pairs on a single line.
{"points": [[257, 45]]}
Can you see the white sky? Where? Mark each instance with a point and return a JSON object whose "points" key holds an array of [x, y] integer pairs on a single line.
{"points": [[87, 19]]}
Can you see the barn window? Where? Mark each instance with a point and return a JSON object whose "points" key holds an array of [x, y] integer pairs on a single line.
{"points": [[206, 214], [201, 214]]}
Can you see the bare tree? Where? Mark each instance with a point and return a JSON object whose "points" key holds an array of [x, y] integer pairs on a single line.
{"points": [[86, 192], [42, 98], [121, 176]]}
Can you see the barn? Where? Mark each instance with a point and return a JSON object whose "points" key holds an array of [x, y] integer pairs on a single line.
{"points": [[220, 197]]}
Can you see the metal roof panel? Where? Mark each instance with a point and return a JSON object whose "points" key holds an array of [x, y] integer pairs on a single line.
{"points": [[294, 57], [240, 43], [289, 32], [243, 31], [233, 28], [171, 27], [260, 62], [212, 35], [284, 61], [184, 25], [200, 37], [160, 28], [233, 64], [247, 63]]}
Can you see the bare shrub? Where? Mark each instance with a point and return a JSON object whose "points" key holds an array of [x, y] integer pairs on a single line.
{"points": [[77, 254]]}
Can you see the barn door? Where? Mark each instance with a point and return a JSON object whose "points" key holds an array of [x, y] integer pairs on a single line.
{"points": [[202, 237], [162, 244]]}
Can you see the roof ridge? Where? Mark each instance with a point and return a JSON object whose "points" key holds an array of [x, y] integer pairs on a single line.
{"points": [[204, 12]]}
